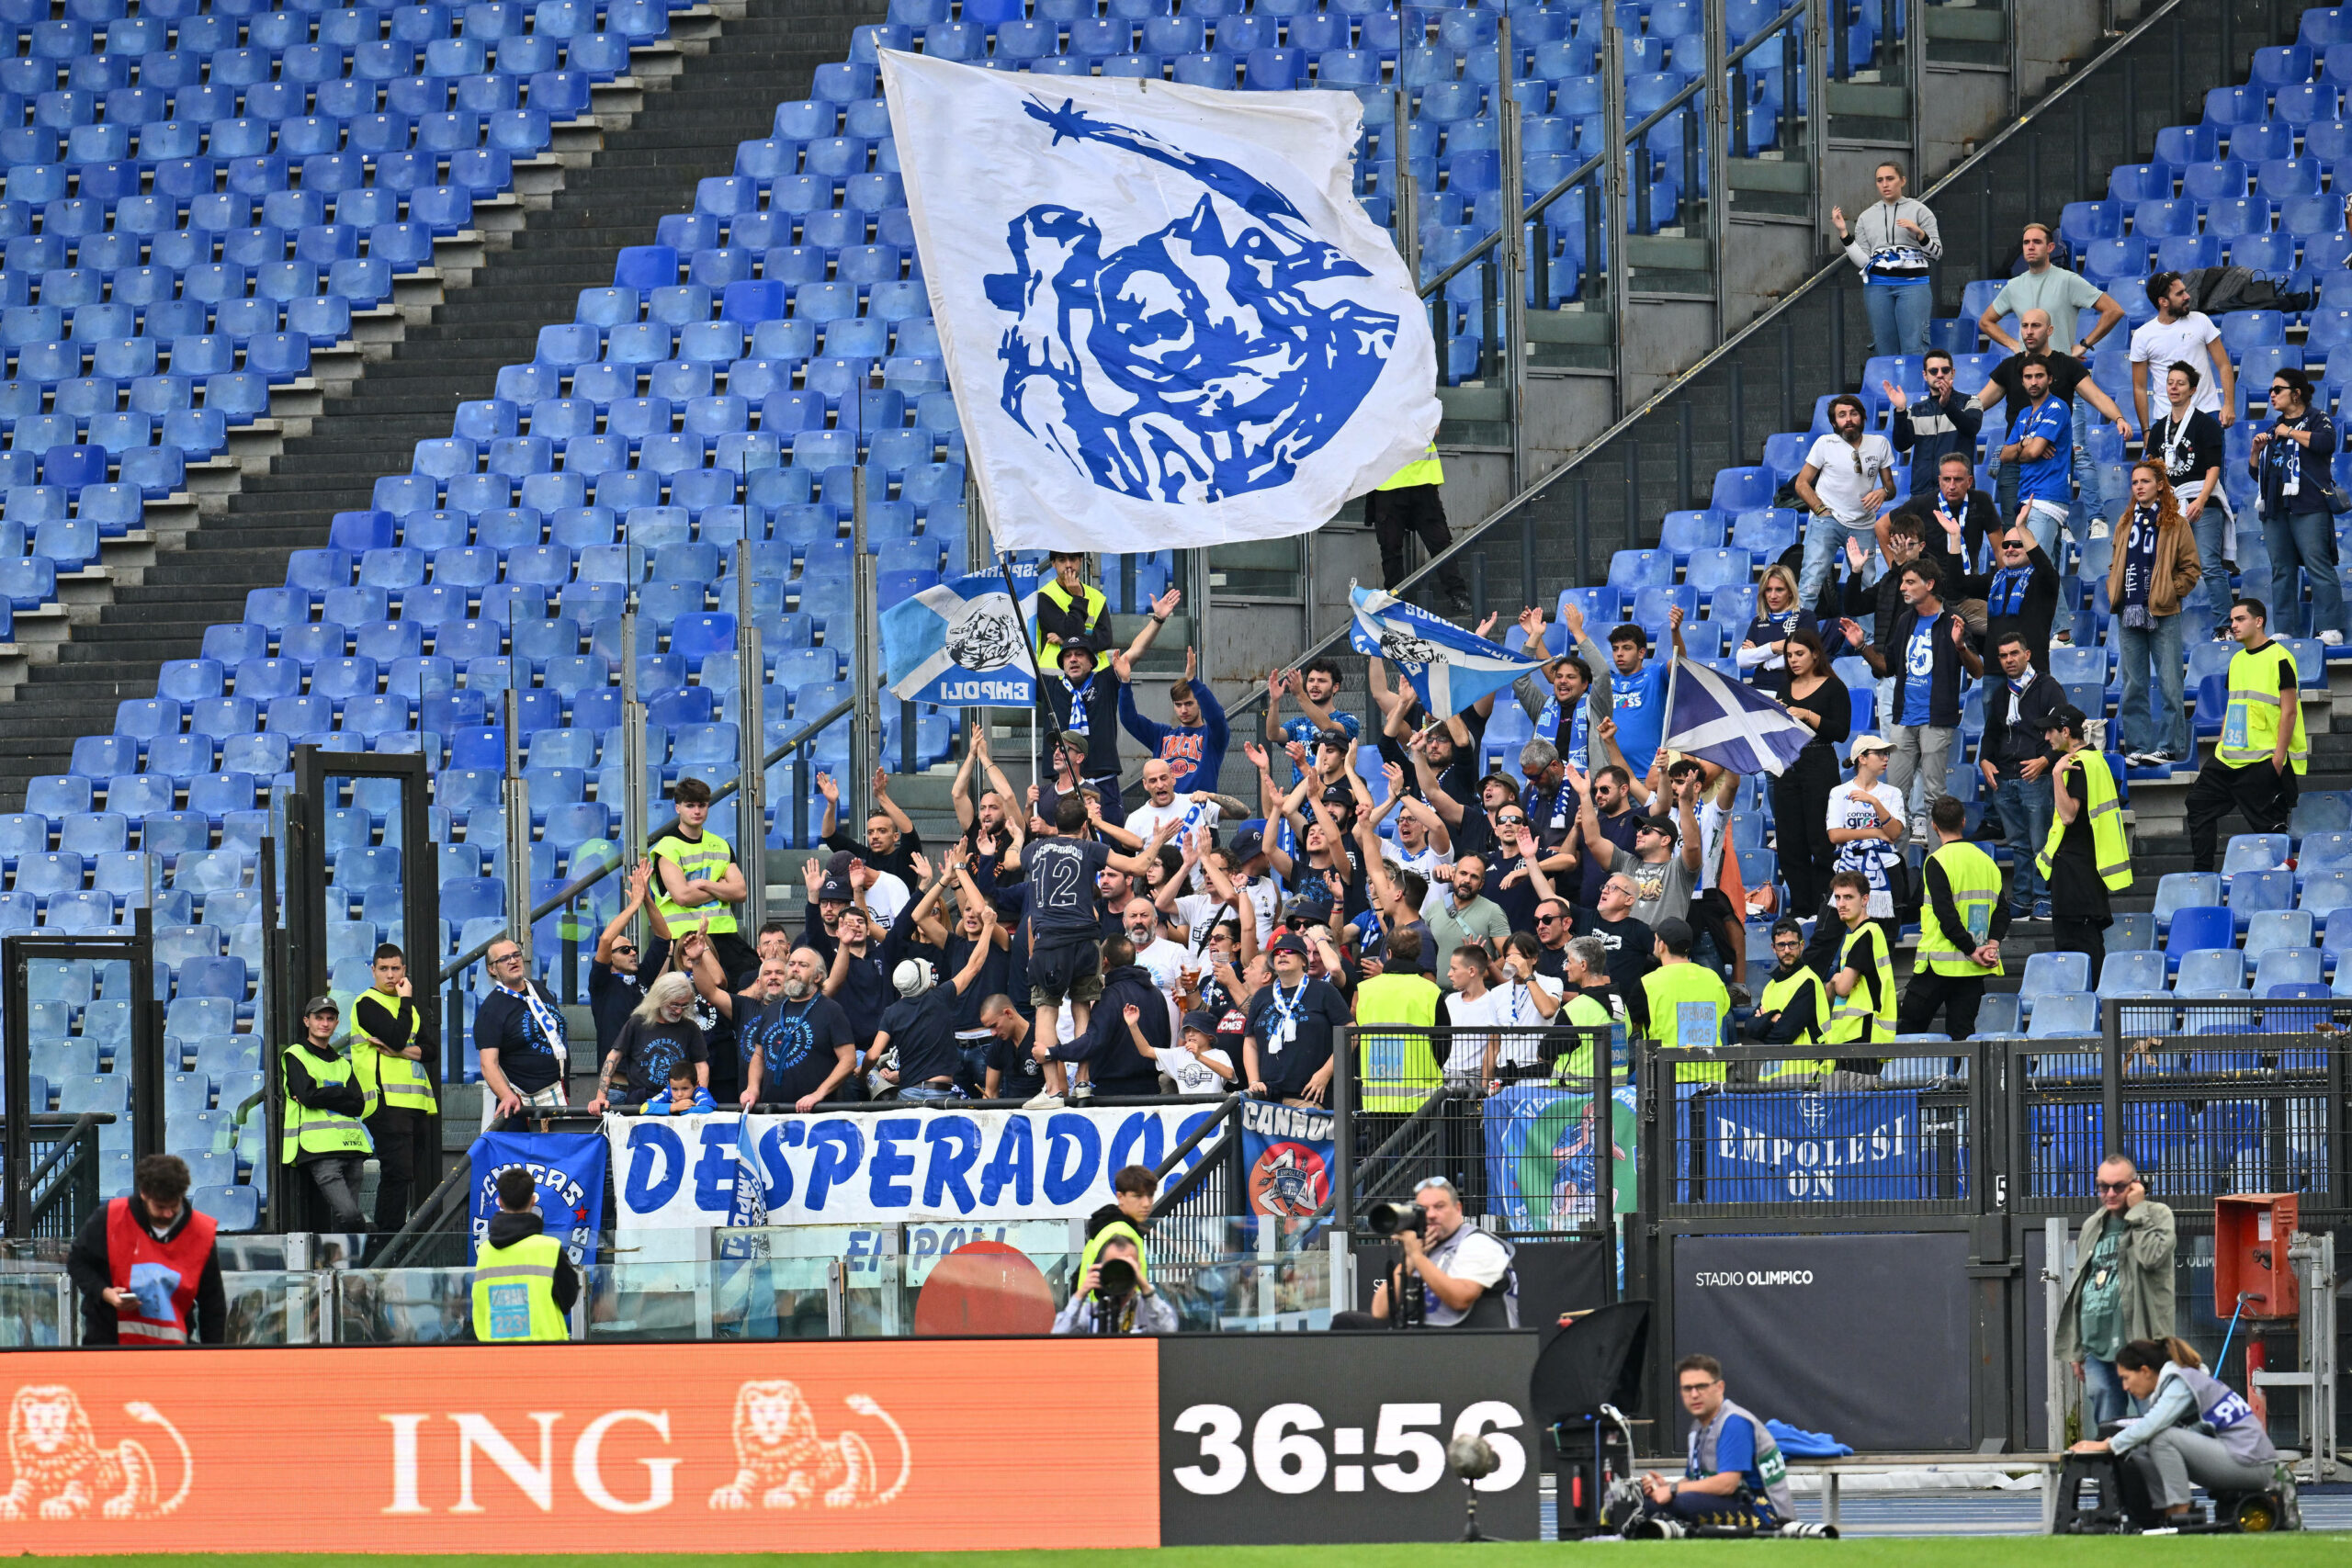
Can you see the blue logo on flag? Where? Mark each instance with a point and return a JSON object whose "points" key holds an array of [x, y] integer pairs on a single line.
{"points": [[570, 1169], [1204, 360]]}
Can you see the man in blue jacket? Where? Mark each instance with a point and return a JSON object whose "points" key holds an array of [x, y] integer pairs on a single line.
{"points": [[1194, 747]]}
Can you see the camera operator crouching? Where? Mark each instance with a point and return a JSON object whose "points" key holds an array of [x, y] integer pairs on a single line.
{"points": [[1112, 1297], [1453, 1273]]}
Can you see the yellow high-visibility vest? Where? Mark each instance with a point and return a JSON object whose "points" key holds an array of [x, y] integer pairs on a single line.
{"points": [[310, 1132], [1975, 888], [2109, 850], [2250, 726], [514, 1293], [1855, 1019], [386, 1076], [1428, 472]]}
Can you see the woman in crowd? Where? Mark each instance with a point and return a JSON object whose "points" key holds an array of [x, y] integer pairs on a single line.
{"points": [[1764, 654], [2155, 567], [1818, 699]]}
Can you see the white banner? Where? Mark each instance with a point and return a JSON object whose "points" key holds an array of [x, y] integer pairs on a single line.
{"points": [[1165, 316], [884, 1168]]}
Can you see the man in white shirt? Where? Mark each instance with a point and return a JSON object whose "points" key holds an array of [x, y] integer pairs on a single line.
{"points": [[1162, 804], [1847, 477], [1161, 958], [2181, 333]]}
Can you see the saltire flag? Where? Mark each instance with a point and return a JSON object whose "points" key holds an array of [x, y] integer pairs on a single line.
{"points": [[1166, 320], [1727, 722], [960, 643], [1449, 668]]}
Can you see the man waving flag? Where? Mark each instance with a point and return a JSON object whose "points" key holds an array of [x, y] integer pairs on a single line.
{"points": [[1450, 669], [1717, 719]]}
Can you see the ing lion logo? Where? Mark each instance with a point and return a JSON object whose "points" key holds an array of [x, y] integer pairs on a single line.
{"points": [[781, 1462], [62, 1472]]}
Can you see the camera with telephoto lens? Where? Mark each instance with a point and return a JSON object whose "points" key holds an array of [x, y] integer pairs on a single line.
{"points": [[1387, 1219], [1114, 1285], [1410, 1307]]}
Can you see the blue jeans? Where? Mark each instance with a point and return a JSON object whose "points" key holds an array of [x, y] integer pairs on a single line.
{"points": [[1899, 314], [2087, 475], [2103, 1394], [2167, 728], [1825, 539], [2213, 577], [2025, 809], [926, 1095], [2303, 541]]}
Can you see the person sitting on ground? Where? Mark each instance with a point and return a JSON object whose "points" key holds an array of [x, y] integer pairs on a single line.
{"points": [[1733, 1474]]}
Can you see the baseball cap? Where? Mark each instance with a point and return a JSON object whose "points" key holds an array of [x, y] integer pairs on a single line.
{"points": [[1201, 1022], [1673, 932], [319, 1005], [1289, 942], [1338, 795], [835, 890], [2065, 717], [1659, 824], [1867, 743], [1335, 738]]}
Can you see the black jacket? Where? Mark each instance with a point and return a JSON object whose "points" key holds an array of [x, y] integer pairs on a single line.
{"points": [[506, 1228], [2037, 608], [1795, 1018], [93, 1274], [2008, 745], [1117, 1068], [1930, 430], [1978, 518]]}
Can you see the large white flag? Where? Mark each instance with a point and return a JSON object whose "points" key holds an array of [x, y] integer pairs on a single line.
{"points": [[1166, 320]]}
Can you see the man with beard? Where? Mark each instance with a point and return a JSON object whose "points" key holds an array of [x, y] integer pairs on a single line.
{"points": [[796, 1044]]}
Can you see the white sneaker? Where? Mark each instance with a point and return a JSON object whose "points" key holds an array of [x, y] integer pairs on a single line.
{"points": [[1082, 1094], [1045, 1099], [2099, 530], [2333, 639]]}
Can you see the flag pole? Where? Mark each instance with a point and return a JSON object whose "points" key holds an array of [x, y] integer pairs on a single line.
{"points": [[1038, 772]]}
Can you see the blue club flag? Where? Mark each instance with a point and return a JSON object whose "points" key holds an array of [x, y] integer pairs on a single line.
{"points": [[1727, 722], [751, 1210], [959, 642], [1449, 668]]}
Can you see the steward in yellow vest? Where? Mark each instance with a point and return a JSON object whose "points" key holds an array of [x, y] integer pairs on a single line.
{"points": [[1862, 1010], [387, 1057], [1962, 916], [1071, 610], [523, 1285], [1593, 1006], [1794, 1007], [2263, 749], [2085, 856], [1410, 502], [1688, 1002], [1396, 1073], [323, 1138]]}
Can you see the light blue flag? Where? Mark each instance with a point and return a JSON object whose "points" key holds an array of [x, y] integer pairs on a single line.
{"points": [[959, 642], [1449, 668], [1728, 722]]}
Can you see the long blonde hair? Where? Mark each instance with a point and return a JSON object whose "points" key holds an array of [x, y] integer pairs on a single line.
{"points": [[669, 987], [1780, 574]]}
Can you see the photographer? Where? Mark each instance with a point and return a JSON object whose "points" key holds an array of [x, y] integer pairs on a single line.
{"points": [[1461, 1273], [1112, 1297]]}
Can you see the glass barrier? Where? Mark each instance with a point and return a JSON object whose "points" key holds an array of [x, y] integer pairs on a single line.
{"points": [[402, 1306], [36, 1311], [274, 1307]]}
